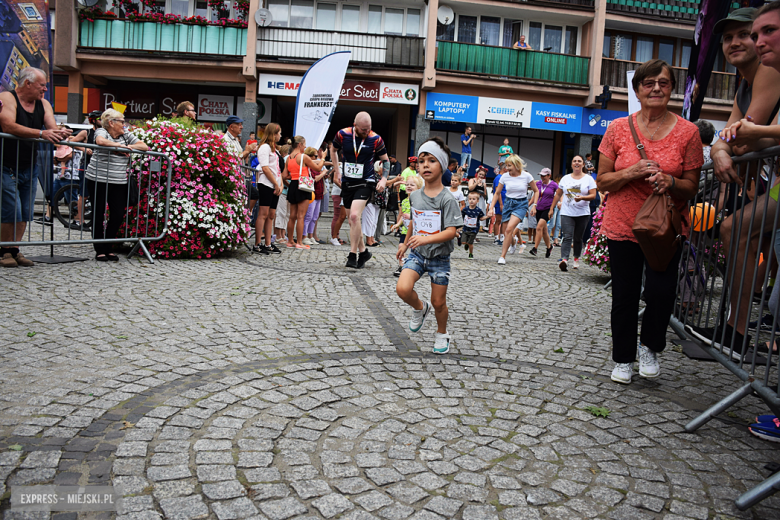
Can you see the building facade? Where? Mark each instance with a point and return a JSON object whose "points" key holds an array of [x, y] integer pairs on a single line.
{"points": [[420, 68]]}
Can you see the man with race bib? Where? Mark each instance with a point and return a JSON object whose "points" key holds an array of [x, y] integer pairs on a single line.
{"points": [[360, 148]]}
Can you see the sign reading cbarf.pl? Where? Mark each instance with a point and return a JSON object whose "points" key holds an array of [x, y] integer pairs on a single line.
{"points": [[214, 108]]}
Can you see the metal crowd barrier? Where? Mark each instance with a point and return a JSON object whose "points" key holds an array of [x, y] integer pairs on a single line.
{"points": [[249, 181], [724, 272], [153, 182]]}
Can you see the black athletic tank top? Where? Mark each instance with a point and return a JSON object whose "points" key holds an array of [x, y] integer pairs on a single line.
{"points": [[26, 149]]}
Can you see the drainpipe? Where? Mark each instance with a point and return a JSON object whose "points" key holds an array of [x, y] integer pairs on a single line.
{"points": [[249, 72]]}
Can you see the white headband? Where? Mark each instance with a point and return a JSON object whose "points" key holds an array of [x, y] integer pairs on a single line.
{"points": [[434, 149]]}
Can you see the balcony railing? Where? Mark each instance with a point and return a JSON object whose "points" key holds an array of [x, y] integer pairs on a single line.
{"points": [[150, 36], [385, 49], [722, 85], [511, 63], [668, 9]]}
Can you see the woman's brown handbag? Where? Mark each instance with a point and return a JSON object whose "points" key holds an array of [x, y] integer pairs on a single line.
{"points": [[658, 226]]}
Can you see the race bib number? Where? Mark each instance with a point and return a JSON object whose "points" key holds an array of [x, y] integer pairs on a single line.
{"points": [[353, 170], [406, 222], [426, 222], [470, 222]]}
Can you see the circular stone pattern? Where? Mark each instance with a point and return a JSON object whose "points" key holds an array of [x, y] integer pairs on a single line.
{"points": [[403, 437]]}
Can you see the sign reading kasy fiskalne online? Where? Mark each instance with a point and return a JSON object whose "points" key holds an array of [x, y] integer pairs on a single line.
{"points": [[358, 90]]}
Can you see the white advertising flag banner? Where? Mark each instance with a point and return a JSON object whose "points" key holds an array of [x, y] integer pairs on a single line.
{"points": [[633, 101], [318, 95], [214, 108], [505, 112]]}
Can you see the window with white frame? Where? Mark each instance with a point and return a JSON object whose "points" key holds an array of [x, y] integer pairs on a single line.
{"points": [[186, 8], [349, 16]]}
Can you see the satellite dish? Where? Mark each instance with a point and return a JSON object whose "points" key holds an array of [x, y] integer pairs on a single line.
{"points": [[263, 17], [87, 3], [445, 15]]}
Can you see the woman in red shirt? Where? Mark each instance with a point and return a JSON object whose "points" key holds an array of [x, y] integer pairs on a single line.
{"points": [[674, 161]]}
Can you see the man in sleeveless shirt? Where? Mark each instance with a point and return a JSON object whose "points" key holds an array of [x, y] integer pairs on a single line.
{"points": [[360, 148], [25, 114]]}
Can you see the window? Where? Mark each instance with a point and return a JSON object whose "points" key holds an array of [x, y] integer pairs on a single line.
{"points": [[512, 31], [374, 19], [302, 14], [394, 21], [350, 18], [571, 41], [535, 35], [280, 11], [552, 38], [685, 58], [180, 7], [326, 16], [489, 30], [644, 49], [413, 22], [606, 50], [666, 51], [622, 50], [202, 9], [467, 29], [445, 33]]}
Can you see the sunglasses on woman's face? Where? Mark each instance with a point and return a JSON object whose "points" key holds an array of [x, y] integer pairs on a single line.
{"points": [[663, 84]]}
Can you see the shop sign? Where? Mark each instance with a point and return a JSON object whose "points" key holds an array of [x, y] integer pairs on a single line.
{"points": [[360, 90], [399, 93], [561, 118], [278, 85], [137, 107], [505, 112], [595, 121], [450, 107], [214, 108]]}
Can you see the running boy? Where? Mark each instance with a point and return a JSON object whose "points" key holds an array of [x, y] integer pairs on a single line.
{"points": [[471, 217], [435, 221]]}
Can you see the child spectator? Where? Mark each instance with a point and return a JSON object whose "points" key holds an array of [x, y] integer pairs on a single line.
{"points": [[435, 222], [413, 183], [471, 217]]}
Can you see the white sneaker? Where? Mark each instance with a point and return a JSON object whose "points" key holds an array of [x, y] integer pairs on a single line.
{"points": [[502, 238], [501, 260], [419, 317], [622, 373], [335, 242], [442, 343], [648, 362], [576, 264], [511, 249], [520, 249]]}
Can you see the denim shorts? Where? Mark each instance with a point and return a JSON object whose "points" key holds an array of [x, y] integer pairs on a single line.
{"points": [[438, 268], [516, 207], [18, 196]]}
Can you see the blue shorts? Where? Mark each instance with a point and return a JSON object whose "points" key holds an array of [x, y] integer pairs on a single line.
{"points": [[438, 268], [18, 195], [497, 211], [516, 207]]}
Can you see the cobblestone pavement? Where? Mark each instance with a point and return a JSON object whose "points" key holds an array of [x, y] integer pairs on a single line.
{"points": [[288, 387]]}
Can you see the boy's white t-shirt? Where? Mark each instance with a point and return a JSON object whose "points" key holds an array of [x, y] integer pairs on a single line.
{"points": [[571, 188], [517, 187], [458, 194]]}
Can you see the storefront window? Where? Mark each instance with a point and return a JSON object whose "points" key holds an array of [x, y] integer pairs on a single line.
{"points": [[552, 38], [394, 21], [666, 51], [374, 19], [326, 16], [350, 18], [571, 41], [302, 14], [644, 49], [445, 32], [512, 31], [623, 45], [489, 30], [535, 35], [467, 29], [412, 22], [280, 11]]}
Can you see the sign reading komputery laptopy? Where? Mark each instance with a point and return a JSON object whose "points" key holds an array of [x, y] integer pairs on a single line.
{"points": [[318, 95]]}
